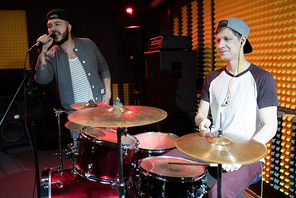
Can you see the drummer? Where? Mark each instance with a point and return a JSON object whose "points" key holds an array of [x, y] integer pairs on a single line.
{"points": [[80, 70], [245, 95]]}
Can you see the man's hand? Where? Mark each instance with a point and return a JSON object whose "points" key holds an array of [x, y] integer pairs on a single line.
{"points": [[231, 167], [204, 126], [46, 40]]}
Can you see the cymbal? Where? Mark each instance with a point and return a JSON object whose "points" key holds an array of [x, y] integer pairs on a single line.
{"points": [[73, 126], [85, 105], [229, 149], [124, 116]]}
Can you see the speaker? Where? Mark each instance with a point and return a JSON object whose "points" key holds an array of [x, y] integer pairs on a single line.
{"points": [[170, 84], [13, 129], [131, 44]]}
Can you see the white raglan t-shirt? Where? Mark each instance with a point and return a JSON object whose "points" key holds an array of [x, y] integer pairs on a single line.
{"points": [[249, 91]]}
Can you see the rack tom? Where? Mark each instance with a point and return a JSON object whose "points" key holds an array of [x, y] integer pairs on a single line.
{"points": [[97, 158]]}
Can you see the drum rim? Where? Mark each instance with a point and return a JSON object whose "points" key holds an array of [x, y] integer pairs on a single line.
{"points": [[158, 132], [94, 178], [168, 178], [157, 151]]}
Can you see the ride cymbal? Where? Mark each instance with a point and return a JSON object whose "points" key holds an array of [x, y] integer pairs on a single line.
{"points": [[229, 149], [123, 116]]}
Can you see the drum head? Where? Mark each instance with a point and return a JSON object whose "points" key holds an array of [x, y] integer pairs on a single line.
{"points": [[160, 166], [156, 140], [109, 135]]}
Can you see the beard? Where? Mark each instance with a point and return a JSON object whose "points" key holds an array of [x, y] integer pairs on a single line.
{"points": [[65, 36]]}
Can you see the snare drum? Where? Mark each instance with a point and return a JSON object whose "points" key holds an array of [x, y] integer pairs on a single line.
{"points": [[158, 178], [98, 156]]}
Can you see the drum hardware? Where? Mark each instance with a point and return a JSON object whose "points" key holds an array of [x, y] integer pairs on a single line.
{"points": [[222, 149], [60, 154], [71, 152]]}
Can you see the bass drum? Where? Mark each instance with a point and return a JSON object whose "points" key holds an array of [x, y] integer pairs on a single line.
{"points": [[64, 184], [97, 158], [159, 178]]}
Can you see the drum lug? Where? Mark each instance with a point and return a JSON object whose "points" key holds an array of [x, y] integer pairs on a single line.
{"points": [[58, 184], [93, 149], [124, 153], [89, 170]]}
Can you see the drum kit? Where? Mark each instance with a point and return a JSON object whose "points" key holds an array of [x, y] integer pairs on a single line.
{"points": [[134, 166]]}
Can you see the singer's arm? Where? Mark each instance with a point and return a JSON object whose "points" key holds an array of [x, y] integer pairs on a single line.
{"points": [[44, 69]]}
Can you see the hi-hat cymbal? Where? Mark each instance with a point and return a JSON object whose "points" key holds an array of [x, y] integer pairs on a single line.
{"points": [[73, 126], [230, 149], [124, 116], [85, 105]]}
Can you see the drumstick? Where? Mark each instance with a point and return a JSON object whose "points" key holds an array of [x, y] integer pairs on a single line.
{"points": [[195, 164]]}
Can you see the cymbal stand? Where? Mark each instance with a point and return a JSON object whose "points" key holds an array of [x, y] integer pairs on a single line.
{"points": [[60, 154], [121, 185], [219, 170]]}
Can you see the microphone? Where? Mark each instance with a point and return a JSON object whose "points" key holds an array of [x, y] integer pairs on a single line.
{"points": [[39, 43]]}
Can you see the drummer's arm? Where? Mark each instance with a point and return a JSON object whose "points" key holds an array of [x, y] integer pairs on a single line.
{"points": [[268, 116], [201, 118]]}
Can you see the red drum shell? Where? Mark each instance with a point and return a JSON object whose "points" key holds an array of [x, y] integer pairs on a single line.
{"points": [[98, 155]]}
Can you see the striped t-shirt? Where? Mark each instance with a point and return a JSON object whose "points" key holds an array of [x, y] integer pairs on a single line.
{"points": [[81, 87]]}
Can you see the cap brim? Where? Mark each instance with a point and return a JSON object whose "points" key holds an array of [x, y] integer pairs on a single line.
{"points": [[248, 48]]}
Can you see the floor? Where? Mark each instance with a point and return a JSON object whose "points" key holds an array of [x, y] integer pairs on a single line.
{"points": [[17, 174]]}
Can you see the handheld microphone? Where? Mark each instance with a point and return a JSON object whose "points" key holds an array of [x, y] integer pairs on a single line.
{"points": [[39, 43]]}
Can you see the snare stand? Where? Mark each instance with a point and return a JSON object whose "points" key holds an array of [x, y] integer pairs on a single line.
{"points": [[121, 185]]}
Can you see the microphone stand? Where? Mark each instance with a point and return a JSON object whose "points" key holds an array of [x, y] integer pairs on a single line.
{"points": [[33, 133]]}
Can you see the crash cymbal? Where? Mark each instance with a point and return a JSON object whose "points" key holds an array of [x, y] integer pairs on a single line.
{"points": [[85, 105], [73, 126], [229, 149], [123, 116]]}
